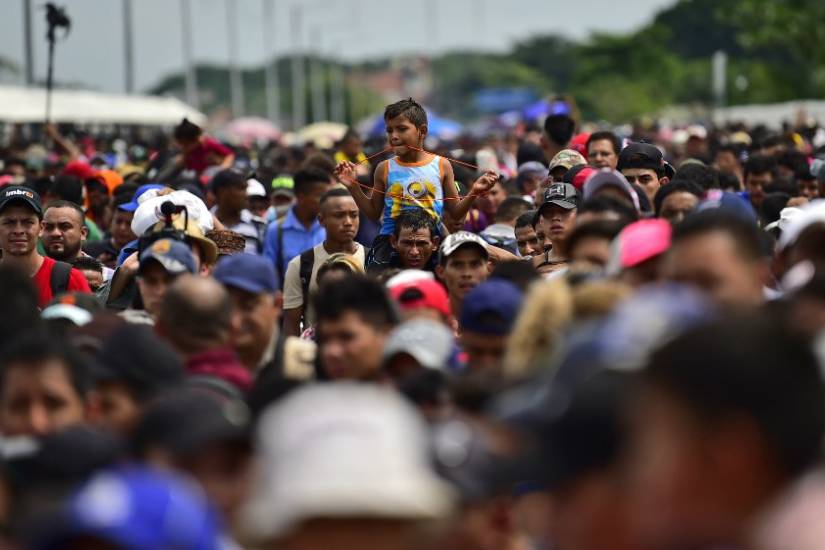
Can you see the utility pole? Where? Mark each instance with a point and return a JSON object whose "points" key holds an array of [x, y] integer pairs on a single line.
{"points": [[188, 63], [235, 76], [28, 46], [128, 50], [298, 103], [273, 86]]}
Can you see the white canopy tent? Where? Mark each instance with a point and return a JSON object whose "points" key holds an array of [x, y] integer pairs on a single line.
{"points": [[28, 105]]}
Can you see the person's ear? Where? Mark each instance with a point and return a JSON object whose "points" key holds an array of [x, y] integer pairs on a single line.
{"points": [[393, 242], [84, 233], [436, 243], [664, 180], [439, 271], [423, 130]]}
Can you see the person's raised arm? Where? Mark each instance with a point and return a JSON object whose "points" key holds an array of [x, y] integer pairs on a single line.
{"points": [[62, 141], [373, 205], [458, 207]]}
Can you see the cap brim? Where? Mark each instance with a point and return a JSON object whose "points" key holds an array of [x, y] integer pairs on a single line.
{"points": [[567, 205], [209, 248], [244, 284], [38, 209], [128, 207], [172, 266]]}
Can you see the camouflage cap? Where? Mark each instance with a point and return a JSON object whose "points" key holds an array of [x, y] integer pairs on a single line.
{"points": [[566, 158]]}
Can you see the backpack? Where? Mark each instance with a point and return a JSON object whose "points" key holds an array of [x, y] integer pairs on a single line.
{"points": [[59, 281]]}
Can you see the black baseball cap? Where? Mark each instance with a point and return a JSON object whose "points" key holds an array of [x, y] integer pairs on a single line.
{"points": [[187, 422], [644, 155], [561, 194], [21, 194]]}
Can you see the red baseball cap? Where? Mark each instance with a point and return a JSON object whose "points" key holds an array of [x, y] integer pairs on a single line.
{"points": [[423, 293]]}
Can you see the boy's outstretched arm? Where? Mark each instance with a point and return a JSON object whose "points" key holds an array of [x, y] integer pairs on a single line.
{"points": [[458, 207], [372, 206]]}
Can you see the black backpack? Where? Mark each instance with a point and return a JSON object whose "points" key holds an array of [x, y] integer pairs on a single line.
{"points": [[59, 281]]}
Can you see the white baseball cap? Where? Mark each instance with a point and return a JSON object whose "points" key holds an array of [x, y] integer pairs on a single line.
{"points": [[813, 212], [461, 238], [428, 342], [342, 450], [148, 213], [254, 188]]}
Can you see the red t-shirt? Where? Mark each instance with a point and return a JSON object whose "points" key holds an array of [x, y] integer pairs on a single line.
{"points": [[42, 280], [198, 159]]}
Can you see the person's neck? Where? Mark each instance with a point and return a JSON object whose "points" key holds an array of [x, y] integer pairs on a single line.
{"points": [[306, 218], [414, 155], [28, 264], [455, 305], [559, 250], [333, 247], [552, 149], [228, 217]]}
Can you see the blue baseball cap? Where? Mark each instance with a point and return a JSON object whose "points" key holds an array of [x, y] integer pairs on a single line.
{"points": [[491, 308], [249, 272], [174, 256], [132, 205], [730, 203], [139, 508]]}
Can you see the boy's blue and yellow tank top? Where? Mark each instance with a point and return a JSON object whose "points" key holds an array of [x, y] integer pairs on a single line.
{"points": [[412, 185]]}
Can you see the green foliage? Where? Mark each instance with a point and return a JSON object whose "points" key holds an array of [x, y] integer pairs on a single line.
{"points": [[775, 48]]}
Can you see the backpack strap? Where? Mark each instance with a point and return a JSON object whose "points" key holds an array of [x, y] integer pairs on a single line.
{"points": [[59, 281], [305, 273]]}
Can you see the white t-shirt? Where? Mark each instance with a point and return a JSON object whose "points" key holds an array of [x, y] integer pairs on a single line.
{"points": [[293, 293]]}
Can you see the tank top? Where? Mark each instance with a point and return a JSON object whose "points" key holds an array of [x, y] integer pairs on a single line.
{"points": [[412, 185]]}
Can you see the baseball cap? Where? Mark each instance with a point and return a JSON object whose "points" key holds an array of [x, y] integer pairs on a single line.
{"points": [[786, 216], [136, 356], [458, 239], [421, 293], [429, 342], [174, 256], [342, 450], [133, 205], [77, 307], [579, 143], [248, 272], [610, 178], [730, 203], [491, 308], [254, 188], [577, 175], [812, 213], [283, 186], [566, 158], [561, 194], [20, 194], [193, 233], [149, 211], [638, 242], [189, 421], [139, 508], [533, 167]]}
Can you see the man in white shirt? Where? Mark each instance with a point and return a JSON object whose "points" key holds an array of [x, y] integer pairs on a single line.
{"points": [[339, 216]]}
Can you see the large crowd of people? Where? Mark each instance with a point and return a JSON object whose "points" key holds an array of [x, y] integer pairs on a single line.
{"points": [[548, 338]]}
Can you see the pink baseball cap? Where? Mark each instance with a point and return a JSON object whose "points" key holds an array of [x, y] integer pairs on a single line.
{"points": [[639, 242], [422, 293]]}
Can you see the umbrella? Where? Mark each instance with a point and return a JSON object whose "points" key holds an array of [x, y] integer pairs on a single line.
{"points": [[252, 129], [323, 134]]}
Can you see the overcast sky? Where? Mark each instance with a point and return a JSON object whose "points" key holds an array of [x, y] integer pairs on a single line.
{"points": [[352, 29]]}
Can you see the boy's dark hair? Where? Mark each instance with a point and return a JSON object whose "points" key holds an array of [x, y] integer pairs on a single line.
{"points": [[599, 229], [783, 185], [526, 219], [409, 109], [333, 193], [66, 204], [732, 148], [729, 182], [511, 208], [676, 186], [605, 135], [793, 160], [307, 178], [187, 131], [759, 164], [598, 205], [68, 188], [87, 263], [360, 295], [415, 219], [319, 161], [351, 133], [772, 206], [559, 129], [40, 346], [754, 367], [745, 234], [521, 274], [703, 176]]}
